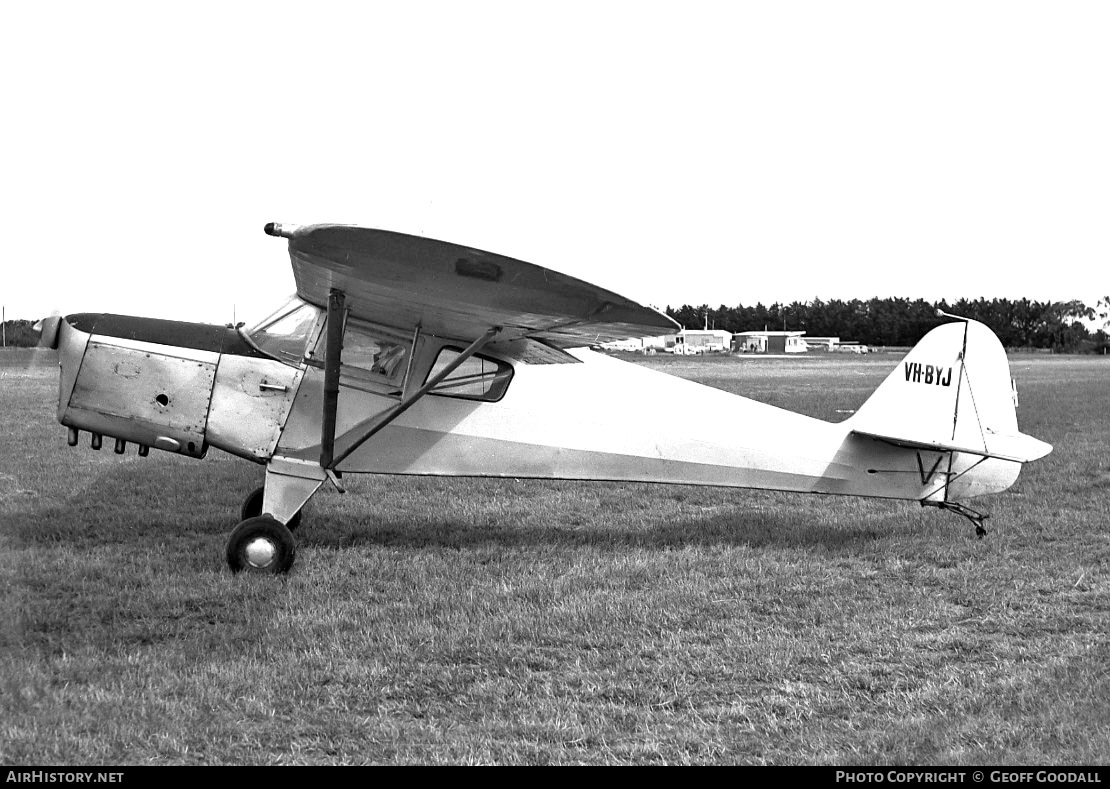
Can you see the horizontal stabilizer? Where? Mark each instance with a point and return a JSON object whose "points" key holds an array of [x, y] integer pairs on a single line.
{"points": [[1019, 448]]}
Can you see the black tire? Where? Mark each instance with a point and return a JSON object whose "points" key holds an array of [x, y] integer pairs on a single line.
{"points": [[261, 545], [252, 508]]}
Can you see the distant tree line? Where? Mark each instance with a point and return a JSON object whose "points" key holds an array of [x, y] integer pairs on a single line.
{"points": [[20, 334], [900, 322], [1052, 325]]}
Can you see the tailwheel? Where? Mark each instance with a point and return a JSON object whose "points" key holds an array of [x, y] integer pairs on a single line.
{"points": [[261, 545], [252, 508], [974, 516]]}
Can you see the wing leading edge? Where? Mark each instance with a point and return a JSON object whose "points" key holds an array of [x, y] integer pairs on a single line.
{"points": [[449, 290]]}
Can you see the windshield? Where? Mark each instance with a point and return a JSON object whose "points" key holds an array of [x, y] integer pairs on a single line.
{"points": [[285, 333]]}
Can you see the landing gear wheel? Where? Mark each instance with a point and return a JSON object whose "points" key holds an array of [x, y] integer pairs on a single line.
{"points": [[252, 508], [261, 545]]}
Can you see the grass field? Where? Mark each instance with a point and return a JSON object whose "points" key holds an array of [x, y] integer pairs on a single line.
{"points": [[521, 622]]}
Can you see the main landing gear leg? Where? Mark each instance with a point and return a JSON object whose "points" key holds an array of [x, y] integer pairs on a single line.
{"points": [[263, 541], [974, 516], [252, 508]]}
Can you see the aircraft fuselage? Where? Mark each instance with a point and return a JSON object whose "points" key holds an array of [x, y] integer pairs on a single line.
{"points": [[517, 410]]}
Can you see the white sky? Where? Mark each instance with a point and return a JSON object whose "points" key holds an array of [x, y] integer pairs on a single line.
{"points": [[682, 152]]}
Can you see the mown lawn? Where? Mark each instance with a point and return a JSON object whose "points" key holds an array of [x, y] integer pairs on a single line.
{"points": [[456, 621]]}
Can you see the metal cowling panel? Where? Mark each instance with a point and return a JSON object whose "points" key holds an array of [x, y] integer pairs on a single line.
{"points": [[250, 403], [143, 396]]}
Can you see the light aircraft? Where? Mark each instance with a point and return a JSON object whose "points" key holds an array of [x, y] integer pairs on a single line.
{"points": [[405, 355]]}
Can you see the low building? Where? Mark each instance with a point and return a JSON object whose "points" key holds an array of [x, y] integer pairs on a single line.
{"points": [[692, 341], [769, 342], [632, 344], [822, 343]]}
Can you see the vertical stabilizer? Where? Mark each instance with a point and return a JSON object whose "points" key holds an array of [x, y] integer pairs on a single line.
{"points": [[953, 391]]}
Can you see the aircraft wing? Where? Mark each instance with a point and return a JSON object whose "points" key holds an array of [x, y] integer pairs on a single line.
{"points": [[449, 290]]}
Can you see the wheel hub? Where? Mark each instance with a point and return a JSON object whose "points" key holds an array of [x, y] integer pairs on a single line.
{"points": [[260, 552]]}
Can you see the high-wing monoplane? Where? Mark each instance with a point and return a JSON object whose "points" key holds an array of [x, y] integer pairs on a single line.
{"points": [[404, 355]]}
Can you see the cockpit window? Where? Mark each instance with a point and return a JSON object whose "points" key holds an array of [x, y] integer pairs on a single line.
{"points": [[285, 334], [477, 378], [370, 354]]}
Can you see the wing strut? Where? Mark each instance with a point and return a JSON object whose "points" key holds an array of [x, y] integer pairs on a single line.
{"points": [[363, 431], [333, 355]]}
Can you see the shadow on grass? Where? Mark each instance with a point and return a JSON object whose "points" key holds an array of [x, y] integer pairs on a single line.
{"points": [[156, 499], [740, 527], [174, 501], [132, 558]]}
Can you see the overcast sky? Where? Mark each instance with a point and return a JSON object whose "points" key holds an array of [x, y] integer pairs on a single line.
{"points": [[682, 152]]}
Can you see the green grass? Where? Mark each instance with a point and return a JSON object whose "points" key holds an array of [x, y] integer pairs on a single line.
{"points": [[525, 622]]}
